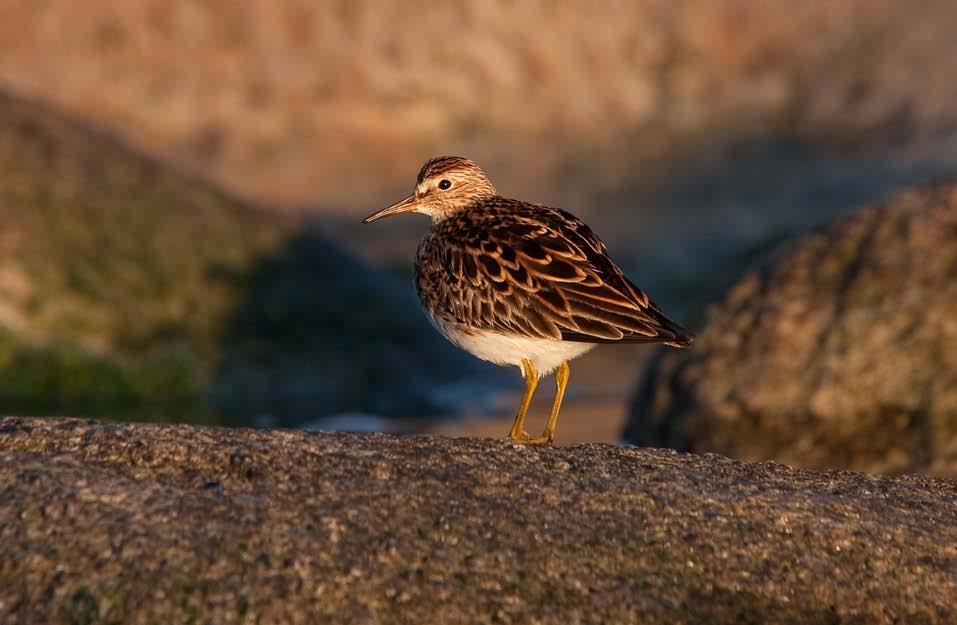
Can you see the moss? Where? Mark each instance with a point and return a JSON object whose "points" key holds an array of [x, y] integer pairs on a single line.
{"points": [[42, 380]]}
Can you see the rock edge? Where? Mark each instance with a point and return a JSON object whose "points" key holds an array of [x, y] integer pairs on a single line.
{"points": [[126, 523]]}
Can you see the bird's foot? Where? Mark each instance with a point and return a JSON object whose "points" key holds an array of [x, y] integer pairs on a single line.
{"points": [[518, 437], [525, 439]]}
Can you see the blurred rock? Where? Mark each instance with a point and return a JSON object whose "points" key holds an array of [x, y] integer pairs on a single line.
{"points": [[319, 331], [137, 524], [839, 353], [130, 290], [688, 134], [334, 103]]}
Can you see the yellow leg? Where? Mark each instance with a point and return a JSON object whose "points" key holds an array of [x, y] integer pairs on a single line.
{"points": [[518, 433], [561, 381]]}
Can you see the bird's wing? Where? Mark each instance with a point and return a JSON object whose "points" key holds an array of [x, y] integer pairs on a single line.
{"points": [[549, 276]]}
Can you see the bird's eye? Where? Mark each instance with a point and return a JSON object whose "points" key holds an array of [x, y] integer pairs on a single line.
{"points": [[445, 184]]}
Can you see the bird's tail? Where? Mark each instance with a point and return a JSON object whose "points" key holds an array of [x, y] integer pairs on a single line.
{"points": [[682, 340], [670, 332]]}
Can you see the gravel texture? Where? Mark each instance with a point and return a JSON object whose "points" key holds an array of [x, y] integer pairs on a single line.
{"points": [[126, 523]]}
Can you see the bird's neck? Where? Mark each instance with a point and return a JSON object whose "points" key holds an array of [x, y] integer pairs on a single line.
{"points": [[451, 212]]}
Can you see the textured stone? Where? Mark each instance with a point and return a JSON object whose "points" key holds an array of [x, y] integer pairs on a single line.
{"points": [[120, 523], [839, 353]]}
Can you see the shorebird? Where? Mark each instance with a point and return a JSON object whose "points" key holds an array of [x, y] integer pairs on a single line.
{"points": [[521, 284]]}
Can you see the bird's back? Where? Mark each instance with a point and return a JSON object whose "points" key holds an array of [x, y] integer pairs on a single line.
{"points": [[512, 267]]}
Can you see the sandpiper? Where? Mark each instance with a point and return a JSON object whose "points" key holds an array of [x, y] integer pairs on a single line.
{"points": [[521, 284]]}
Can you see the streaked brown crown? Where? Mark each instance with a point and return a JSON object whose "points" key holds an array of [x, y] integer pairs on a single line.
{"points": [[442, 164], [448, 184]]}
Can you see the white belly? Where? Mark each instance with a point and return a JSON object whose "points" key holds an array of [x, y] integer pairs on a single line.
{"points": [[511, 349]]}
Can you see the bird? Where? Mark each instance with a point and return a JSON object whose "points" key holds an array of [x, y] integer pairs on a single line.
{"points": [[521, 284]]}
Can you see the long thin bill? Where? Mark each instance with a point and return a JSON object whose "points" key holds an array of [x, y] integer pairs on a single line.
{"points": [[406, 205]]}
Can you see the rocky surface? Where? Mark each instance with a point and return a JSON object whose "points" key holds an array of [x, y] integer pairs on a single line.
{"points": [[127, 288], [839, 353], [110, 523]]}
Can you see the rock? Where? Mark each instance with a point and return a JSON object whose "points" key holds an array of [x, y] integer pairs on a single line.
{"points": [[319, 332], [120, 523], [282, 102], [839, 353], [708, 131], [129, 289]]}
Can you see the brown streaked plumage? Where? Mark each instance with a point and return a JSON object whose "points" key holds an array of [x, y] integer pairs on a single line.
{"points": [[519, 283]]}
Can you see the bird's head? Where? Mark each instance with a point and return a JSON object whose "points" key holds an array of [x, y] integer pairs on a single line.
{"points": [[446, 185]]}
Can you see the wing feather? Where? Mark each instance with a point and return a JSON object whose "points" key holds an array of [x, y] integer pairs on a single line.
{"points": [[543, 273]]}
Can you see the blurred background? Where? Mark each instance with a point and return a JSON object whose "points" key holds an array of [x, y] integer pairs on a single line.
{"points": [[181, 185]]}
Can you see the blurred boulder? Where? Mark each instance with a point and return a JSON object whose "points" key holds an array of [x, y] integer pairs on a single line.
{"points": [[298, 102], [320, 332], [689, 135], [842, 352], [130, 290]]}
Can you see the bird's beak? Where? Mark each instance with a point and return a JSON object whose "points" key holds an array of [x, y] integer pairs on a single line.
{"points": [[406, 205]]}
